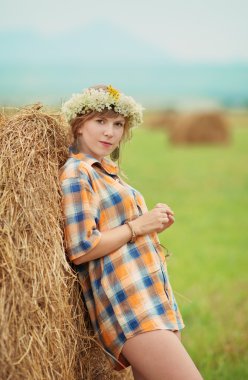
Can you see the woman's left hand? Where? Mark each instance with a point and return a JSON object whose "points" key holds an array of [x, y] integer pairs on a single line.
{"points": [[170, 215]]}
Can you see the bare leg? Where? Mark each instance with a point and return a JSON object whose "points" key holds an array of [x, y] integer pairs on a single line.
{"points": [[178, 334], [137, 375], [159, 355]]}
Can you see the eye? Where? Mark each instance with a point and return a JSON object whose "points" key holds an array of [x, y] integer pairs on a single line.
{"points": [[100, 121], [119, 124]]}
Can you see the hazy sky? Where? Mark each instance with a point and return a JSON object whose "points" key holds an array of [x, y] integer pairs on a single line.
{"points": [[193, 30]]}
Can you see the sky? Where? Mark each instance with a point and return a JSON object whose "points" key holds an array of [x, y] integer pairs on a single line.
{"points": [[191, 31]]}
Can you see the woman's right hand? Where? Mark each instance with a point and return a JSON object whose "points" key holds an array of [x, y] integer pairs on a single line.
{"points": [[155, 220]]}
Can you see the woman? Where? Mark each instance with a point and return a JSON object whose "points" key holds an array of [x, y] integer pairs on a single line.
{"points": [[112, 239]]}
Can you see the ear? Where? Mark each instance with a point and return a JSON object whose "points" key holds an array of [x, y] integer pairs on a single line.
{"points": [[80, 130]]}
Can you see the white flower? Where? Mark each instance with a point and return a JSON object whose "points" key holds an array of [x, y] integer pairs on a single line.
{"points": [[97, 99]]}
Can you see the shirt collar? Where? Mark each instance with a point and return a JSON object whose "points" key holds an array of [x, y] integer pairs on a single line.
{"points": [[108, 165]]}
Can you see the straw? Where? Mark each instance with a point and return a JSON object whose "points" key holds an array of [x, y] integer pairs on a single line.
{"points": [[45, 330]]}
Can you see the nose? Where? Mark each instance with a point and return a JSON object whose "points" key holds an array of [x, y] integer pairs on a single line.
{"points": [[109, 129]]}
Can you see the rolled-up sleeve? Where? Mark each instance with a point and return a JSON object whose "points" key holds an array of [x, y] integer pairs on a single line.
{"points": [[80, 214]]}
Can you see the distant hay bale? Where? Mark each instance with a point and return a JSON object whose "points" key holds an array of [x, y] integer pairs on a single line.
{"points": [[9, 111], [2, 118], [200, 128], [163, 120], [45, 333]]}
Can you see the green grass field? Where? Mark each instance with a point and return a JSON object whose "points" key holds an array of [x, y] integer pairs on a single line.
{"points": [[207, 188]]}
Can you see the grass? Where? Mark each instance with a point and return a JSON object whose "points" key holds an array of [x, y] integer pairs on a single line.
{"points": [[207, 188]]}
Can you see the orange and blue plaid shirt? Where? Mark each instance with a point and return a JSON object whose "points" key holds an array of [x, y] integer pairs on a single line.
{"points": [[127, 291]]}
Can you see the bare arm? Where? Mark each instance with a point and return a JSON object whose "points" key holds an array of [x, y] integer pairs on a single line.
{"points": [[109, 242], [158, 219]]}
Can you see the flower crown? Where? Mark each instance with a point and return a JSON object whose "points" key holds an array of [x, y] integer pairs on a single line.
{"points": [[92, 99]]}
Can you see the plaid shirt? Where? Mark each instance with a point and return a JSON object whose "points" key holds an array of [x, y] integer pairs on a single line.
{"points": [[127, 291]]}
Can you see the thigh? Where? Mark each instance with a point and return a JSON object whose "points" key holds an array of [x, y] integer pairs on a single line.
{"points": [[136, 374], [178, 334], [159, 354]]}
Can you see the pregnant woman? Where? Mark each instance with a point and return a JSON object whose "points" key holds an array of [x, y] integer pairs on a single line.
{"points": [[111, 238]]}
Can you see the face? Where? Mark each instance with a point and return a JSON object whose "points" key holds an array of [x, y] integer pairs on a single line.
{"points": [[100, 135]]}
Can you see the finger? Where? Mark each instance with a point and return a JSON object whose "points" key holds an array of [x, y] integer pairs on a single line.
{"points": [[160, 205], [171, 220], [167, 211], [164, 206], [164, 220]]}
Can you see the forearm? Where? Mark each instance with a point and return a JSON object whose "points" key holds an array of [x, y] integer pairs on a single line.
{"points": [[110, 241]]}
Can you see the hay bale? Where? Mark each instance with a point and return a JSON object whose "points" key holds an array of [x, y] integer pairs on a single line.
{"points": [[44, 330], [162, 120], [200, 128], [2, 118]]}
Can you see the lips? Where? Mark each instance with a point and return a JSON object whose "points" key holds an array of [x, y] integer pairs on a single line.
{"points": [[105, 143]]}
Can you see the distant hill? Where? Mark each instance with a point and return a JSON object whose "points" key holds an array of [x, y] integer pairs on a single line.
{"points": [[97, 43], [49, 68]]}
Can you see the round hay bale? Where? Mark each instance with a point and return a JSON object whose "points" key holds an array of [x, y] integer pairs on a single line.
{"points": [[2, 119], [200, 128], [164, 120], [45, 331]]}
